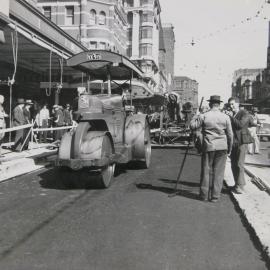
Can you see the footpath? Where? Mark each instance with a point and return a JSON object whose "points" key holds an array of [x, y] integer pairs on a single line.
{"points": [[255, 202], [14, 164]]}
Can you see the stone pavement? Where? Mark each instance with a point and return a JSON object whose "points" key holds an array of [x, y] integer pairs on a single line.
{"points": [[13, 164], [254, 203]]}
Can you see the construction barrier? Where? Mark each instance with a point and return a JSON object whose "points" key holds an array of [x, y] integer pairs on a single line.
{"points": [[4, 130], [32, 130]]}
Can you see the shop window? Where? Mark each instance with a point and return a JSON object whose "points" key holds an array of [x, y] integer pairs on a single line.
{"points": [[146, 32], [69, 15], [47, 11], [93, 17], [102, 18]]}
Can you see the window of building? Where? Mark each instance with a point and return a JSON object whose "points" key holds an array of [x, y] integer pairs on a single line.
{"points": [[102, 45], [148, 68], [129, 51], [130, 18], [145, 49], [102, 18], [47, 11], [129, 34], [93, 17], [93, 45], [69, 15], [146, 2], [130, 3], [146, 32], [147, 17]]}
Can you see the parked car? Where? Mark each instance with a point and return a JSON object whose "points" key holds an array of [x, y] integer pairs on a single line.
{"points": [[264, 131]]}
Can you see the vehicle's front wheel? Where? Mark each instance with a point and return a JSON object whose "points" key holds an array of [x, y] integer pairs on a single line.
{"points": [[107, 172]]}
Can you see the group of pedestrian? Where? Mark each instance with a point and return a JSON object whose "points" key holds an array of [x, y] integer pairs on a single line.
{"points": [[22, 115], [224, 133], [61, 117]]}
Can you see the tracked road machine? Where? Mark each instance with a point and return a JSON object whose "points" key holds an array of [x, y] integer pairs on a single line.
{"points": [[108, 132]]}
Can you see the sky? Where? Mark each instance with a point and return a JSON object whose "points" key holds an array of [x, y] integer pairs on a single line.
{"points": [[227, 35]]}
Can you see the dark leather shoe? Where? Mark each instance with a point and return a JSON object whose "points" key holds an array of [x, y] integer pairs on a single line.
{"points": [[202, 198], [238, 190]]}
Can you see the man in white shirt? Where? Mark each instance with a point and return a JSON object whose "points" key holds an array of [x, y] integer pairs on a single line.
{"points": [[42, 120]]}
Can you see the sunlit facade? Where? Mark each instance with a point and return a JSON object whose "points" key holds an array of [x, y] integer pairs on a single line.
{"points": [[96, 24]]}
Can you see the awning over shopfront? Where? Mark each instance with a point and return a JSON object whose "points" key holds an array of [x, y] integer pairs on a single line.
{"points": [[38, 37], [32, 49]]}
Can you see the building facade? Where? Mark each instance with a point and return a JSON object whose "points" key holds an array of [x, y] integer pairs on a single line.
{"points": [[246, 85], [187, 90], [143, 18], [97, 24], [129, 27], [169, 44]]}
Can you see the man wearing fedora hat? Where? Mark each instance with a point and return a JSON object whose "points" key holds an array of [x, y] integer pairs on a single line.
{"points": [[241, 120], [28, 120], [217, 143], [18, 120]]}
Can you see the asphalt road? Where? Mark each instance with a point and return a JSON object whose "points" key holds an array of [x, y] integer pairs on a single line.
{"points": [[133, 225]]}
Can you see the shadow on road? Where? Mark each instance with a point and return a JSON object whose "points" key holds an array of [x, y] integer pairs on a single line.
{"points": [[184, 183], [66, 179], [166, 190]]}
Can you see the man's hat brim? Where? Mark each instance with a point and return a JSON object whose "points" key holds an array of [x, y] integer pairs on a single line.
{"points": [[214, 100]]}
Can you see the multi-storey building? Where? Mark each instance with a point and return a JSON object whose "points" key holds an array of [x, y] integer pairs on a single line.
{"points": [[128, 27], [97, 24], [187, 89], [245, 84], [169, 43], [143, 18], [263, 83]]}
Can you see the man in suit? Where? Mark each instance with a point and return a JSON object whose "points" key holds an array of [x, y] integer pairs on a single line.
{"points": [[19, 120], [28, 120], [217, 143], [241, 120]]}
